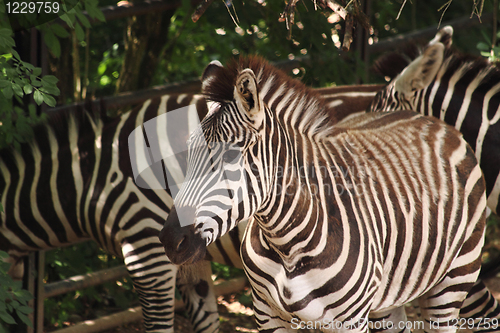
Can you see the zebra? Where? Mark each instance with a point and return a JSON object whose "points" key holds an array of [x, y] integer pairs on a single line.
{"points": [[81, 159], [73, 181], [464, 91], [269, 155], [460, 89]]}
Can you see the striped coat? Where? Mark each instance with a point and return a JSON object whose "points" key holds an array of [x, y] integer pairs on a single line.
{"points": [[347, 221]]}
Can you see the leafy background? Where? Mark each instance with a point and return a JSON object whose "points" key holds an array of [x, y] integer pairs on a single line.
{"points": [[90, 58]]}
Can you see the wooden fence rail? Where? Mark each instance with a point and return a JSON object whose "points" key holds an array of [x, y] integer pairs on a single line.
{"points": [[42, 290]]}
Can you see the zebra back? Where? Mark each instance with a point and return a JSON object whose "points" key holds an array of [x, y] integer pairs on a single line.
{"points": [[460, 89]]}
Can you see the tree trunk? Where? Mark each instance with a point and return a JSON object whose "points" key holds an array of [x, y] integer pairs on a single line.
{"points": [[145, 37]]}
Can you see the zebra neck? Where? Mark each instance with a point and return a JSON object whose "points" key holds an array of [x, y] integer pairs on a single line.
{"points": [[291, 233], [292, 218]]}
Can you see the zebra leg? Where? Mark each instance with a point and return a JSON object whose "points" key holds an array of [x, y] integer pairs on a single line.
{"points": [[270, 320], [440, 306], [483, 308], [153, 276], [393, 321], [196, 287]]}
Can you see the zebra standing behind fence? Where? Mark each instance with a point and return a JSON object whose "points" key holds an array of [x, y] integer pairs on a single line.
{"points": [[462, 90], [74, 181], [403, 217]]}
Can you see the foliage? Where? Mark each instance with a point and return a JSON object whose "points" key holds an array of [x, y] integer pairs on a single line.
{"points": [[226, 272], [20, 79], [81, 259], [489, 48], [249, 28], [243, 27], [491, 250], [13, 299]]}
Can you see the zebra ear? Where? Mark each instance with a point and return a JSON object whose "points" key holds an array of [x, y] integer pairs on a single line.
{"points": [[421, 71], [246, 92], [444, 36], [209, 72]]}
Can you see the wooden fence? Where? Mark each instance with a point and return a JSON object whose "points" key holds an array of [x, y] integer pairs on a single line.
{"points": [[41, 291]]}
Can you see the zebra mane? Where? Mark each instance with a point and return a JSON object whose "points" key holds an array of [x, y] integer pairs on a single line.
{"points": [[274, 85], [392, 64]]}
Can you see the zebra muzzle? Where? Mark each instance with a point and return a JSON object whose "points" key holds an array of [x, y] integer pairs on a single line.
{"points": [[182, 245]]}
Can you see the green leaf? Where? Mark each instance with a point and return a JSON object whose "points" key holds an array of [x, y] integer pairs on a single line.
{"points": [[67, 19], [83, 20], [37, 71], [25, 309], [32, 111], [482, 46], [79, 32], [17, 89], [11, 72], [53, 90], [51, 79], [15, 55], [101, 69], [52, 43], [99, 15], [7, 318], [92, 8], [38, 97], [19, 112], [4, 83], [22, 294], [59, 31], [28, 89], [7, 42], [25, 319], [49, 100], [28, 65], [17, 285], [5, 32], [8, 92]]}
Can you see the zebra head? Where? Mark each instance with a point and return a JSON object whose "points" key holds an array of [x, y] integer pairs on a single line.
{"points": [[403, 90], [216, 194]]}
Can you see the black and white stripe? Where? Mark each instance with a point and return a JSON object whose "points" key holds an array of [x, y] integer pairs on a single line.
{"points": [[462, 90], [74, 181], [342, 226]]}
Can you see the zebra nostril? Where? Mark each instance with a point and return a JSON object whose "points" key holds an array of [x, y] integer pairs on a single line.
{"points": [[181, 244]]}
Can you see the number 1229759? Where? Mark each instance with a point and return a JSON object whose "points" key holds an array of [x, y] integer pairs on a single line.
{"points": [[23, 7]]}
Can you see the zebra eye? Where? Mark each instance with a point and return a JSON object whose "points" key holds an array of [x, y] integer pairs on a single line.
{"points": [[230, 156]]}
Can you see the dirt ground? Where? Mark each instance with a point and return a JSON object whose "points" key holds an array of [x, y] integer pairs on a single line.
{"points": [[235, 311], [234, 317], [236, 314]]}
